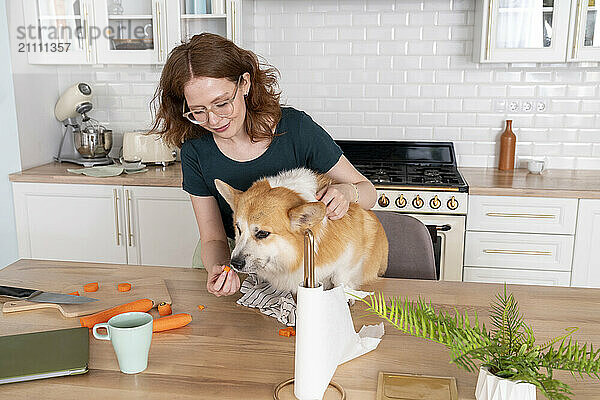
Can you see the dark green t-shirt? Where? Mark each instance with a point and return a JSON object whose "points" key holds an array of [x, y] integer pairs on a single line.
{"points": [[302, 143]]}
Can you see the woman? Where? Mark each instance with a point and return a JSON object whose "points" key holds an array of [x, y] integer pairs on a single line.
{"points": [[218, 104]]}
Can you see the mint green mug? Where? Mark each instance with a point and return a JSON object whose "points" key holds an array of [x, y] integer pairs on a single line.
{"points": [[131, 335]]}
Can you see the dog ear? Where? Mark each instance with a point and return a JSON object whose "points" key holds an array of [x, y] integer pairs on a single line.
{"points": [[307, 215], [227, 192]]}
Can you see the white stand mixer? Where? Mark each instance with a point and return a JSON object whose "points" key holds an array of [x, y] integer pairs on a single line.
{"points": [[90, 144]]}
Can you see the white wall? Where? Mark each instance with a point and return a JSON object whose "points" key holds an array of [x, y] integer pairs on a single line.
{"points": [[368, 69], [9, 151], [403, 69]]}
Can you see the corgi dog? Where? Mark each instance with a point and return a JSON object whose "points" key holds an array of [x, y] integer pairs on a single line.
{"points": [[271, 217]]}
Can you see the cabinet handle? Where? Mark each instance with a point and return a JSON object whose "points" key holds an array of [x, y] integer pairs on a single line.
{"points": [[116, 198], [576, 30], [520, 252], [494, 214], [128, 210], [233, 22], [488, 41], [159, 32], [86, 28]]}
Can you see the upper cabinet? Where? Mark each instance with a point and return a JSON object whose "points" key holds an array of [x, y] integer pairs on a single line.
{"points": [[585, 38], [137, 31], [121, 31], [547, 31], [190, 17]]}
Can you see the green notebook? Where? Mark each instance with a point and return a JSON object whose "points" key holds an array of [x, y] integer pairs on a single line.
{"points": [[44, 355]]}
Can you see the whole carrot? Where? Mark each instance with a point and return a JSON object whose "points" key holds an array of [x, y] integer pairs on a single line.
{"points": [[171, 322], [89, 321]]}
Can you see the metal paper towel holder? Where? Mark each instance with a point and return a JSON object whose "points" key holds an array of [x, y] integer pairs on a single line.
{"points": [[310, 281]]}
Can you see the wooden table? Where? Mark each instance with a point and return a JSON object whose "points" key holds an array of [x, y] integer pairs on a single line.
{"points": [[232, 352]]}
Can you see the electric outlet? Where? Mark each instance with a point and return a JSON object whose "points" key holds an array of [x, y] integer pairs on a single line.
{"points": [[514, 105], [540, 106], [527, 106]]}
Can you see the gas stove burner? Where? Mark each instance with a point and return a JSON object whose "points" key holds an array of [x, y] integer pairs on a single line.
{"points": [[429, 165]]}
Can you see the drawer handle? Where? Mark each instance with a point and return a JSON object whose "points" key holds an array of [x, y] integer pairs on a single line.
{"points": [[495, 214], [520, 252], [118, 233], [128, 210]]}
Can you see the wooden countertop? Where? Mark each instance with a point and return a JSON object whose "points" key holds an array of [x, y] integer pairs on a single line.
{"points": [[482, 181], [233, 352], [583, 184], [169, 176]]}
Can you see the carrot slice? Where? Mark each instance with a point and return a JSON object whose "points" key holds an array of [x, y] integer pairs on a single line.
{"points": [[171, 322], [164, 309], [285, 332], [143, 305], [74, 294], [124, 287], [201, 307], [90, 287]]}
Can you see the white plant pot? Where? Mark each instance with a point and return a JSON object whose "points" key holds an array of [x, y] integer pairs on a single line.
{"points": [[491, 387]]}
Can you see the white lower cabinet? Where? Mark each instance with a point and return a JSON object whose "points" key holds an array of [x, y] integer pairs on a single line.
{"points": [[520, 240], [586, 261], [162, 229], [103, 223]]}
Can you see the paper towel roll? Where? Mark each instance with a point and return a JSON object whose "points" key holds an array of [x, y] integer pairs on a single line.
{"points": [[325, 338]]}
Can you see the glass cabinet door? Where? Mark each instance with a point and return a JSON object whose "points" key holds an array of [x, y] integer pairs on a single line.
{"points": [[585, 45], [132, 31], [527, 30], [190, 17], [58, 31]]}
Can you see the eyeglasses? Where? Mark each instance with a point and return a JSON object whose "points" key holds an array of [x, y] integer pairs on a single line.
{"points": [[223, 110]]}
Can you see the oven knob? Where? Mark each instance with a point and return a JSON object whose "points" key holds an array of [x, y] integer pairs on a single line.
{"points": [[400, 201], [452, 203], [383, 201], [435, 203], [417, 202]]}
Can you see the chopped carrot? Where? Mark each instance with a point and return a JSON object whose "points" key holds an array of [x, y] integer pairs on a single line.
{"points": [[164, 309], [201, 307], [89, 321], [285, 332], [124, 287], [74, 294], [227, 268], [90, 287], [171, 322]]}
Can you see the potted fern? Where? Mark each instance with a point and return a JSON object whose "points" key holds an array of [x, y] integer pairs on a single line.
{"points": [[511, 364]]}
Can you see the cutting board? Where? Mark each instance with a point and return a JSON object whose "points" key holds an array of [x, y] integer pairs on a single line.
{"points": [[107, 294]]}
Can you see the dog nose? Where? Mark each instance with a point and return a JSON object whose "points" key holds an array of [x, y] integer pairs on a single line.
{"points": [[238, 263]]}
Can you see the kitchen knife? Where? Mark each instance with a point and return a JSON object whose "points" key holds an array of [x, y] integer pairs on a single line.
{"points": [[42, 297]]}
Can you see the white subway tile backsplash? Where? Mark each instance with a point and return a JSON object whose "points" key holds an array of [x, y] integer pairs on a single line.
{"points": [[420, 105], [434, 91], [538, 76], [394, 70], [448, 105], [421, 48], [452, 18]]}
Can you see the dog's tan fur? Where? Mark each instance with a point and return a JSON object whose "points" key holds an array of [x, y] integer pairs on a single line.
{"points": [[350, 251]]}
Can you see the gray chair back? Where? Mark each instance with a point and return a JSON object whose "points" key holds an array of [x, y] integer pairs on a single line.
{"points": [[410, 247]]}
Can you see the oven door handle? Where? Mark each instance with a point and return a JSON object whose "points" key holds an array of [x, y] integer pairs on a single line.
{"points": [[443, 228]]}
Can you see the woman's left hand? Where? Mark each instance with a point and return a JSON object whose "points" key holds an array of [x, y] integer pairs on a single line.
{"points": [[336, 198]]}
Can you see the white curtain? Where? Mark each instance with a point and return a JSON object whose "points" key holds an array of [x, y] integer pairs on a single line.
{"points": [[520, 24]]}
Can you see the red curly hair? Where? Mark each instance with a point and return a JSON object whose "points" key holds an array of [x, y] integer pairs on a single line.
{"points": [[210, 55]]}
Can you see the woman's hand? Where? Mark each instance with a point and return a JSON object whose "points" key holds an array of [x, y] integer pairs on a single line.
{"points": [[221, 283], [337, 198]]}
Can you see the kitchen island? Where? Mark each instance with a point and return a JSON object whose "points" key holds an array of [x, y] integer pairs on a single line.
{"points": [[232, 352]]}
